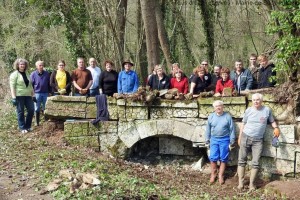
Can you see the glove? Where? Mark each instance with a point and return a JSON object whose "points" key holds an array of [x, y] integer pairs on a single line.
{"points": [[275, 142], [231, 146], [14, 101], [62, 91], [207, 144], [276, 132], [34, 99]]}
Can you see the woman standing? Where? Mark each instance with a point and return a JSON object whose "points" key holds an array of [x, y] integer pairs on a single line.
{"points": [[21, 93], [180, 82], [60, 80], [108, 81], [160, 80]]}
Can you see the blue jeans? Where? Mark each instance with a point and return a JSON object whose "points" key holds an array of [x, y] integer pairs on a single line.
{"points": [[41, 98], [219, 149], [94, 92], [22, 103]]}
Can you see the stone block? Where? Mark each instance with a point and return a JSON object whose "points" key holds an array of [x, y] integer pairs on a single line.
{"points": [[113, 111], [185, 112], [162, 103], [130, 136], [199, 134], [84, 141], [165, 126], [147, 129], [161, 112], [91, 110], [121, 102], [76, 128], [183, 130], [175, 146], [60, 98], [279, 166], [108, 141], [134, 113], [103, 127], [284, 151], [185, 104], [236, 106], [121, 113]]}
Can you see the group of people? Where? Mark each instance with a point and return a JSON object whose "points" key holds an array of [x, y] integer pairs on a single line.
{"points": [[220, 138], [258, 75]]}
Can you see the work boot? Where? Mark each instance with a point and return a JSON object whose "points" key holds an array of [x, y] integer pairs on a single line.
{"points": [[37, 118], [213, 175], [253, 175], [241, 174], [221, 173]]}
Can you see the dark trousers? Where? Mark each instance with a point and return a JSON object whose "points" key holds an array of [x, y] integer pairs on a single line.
{"points": [[22, 103]]}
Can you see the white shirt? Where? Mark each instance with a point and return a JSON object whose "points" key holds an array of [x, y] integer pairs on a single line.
{"points": [[95, 71]]}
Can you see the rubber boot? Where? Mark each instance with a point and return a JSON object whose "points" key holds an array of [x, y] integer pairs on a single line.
{"points": [[213, 175], [221, 173], [241, 174], [253, 175], [37, 118]]}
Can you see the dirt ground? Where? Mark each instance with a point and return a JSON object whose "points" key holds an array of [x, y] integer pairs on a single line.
{"points": [[180, 176]]}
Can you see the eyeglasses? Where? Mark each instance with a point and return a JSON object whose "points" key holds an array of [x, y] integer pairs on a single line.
{"points": [[61, 65]]}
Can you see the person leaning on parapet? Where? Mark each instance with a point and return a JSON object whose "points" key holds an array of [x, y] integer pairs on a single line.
{"points": [[220, 137], [174, 68], [60, 80], [241, 77], [251, 137], [216, 76], [82, 79], [21, 93], [179, 82], [200, 82], [96, 71], [266, 72], [41, 86], [254, 69], [128, 81], [108, 81], [223, 83], [160, 80]]}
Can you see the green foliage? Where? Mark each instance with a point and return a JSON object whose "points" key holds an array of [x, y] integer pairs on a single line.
{"points": [[286, 22]]}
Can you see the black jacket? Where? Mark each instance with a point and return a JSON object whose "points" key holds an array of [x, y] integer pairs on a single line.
{"points": [[54, 85], [156, 84], [265, 75]]}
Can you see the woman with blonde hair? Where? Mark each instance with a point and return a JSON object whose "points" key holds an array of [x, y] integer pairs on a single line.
{"points": [[199, 82], [60, 79], [21, 93]]}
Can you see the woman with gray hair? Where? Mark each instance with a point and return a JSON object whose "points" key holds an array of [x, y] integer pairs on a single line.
{"points": [[220, 137], [21, 93]]}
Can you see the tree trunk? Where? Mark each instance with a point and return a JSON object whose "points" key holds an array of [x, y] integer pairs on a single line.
{"points": [[162, 36], [120, 25], [151, 32]]}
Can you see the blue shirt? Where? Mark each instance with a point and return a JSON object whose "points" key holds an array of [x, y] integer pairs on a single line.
{"points": [[40, 81], [95, 71], [220, 126], [128, 82]]}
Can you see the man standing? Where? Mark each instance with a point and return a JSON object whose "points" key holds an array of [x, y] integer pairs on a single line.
{"points": [[96, 71], [220, 136], [82, 79], [41, 87], [242, 78], [251, 137], [254, 69], [267, 72], [216, 76], [128, 81]]}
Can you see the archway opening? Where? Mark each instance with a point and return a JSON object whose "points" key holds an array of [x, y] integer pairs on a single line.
{"points": [[165, 149]]}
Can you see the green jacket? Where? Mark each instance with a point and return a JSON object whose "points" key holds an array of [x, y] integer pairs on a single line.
{"points": [[16, 81]]}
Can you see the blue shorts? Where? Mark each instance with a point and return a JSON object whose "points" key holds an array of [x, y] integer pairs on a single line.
{"points": [[219, 149]]}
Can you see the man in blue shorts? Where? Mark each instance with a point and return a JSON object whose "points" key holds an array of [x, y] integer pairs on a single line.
{"points": [[220, 136], [251, 137]]}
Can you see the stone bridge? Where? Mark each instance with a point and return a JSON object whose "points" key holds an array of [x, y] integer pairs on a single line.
{"points": [[178, 125]]}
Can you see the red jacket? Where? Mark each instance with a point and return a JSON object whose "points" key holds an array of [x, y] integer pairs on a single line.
{"points": [[182, 85], [221, 85]]}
